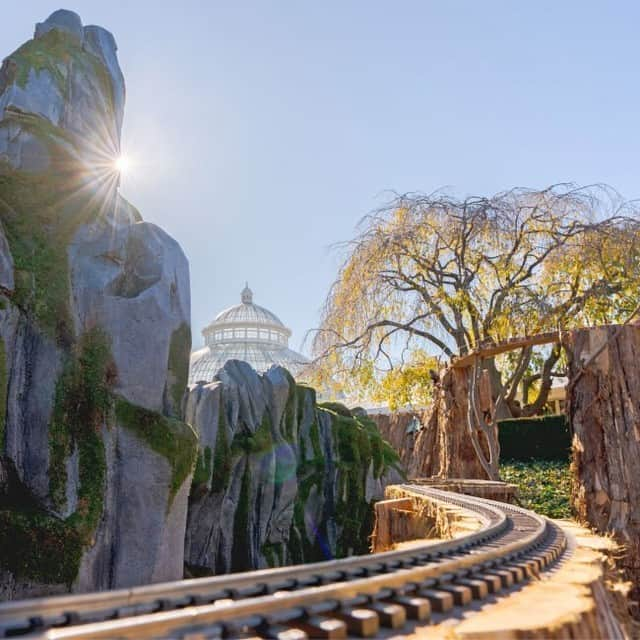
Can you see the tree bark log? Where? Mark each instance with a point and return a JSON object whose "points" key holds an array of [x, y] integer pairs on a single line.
{"points": [[603, 403], [443, 448]]}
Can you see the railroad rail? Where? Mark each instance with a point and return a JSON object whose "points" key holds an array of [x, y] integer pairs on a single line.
{"points": [[351, 596]]}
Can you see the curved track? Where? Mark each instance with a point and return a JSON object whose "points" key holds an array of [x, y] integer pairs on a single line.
{"points": [[354, 596]]}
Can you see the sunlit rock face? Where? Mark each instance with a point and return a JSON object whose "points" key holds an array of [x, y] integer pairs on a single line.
{"points": [[279, 479], [66, 78], [95, 461]]}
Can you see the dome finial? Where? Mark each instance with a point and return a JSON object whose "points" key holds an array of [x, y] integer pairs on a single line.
{"points": [[247, 295]]}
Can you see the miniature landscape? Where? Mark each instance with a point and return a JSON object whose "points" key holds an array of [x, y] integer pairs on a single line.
{"points": [[455, 457]]}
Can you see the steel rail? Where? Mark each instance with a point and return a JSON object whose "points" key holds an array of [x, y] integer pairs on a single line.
{"points": [[493, 522], [507, 532]]}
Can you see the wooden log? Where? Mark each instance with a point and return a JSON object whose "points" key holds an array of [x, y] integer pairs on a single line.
{"points": [[443, 448], [395, 522], [467, 360], [603, 401]]}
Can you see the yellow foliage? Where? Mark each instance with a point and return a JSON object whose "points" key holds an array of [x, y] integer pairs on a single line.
{"points": [[439, 276]]}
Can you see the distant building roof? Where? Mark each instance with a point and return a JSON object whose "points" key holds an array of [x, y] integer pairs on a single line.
{"points": [[246, 332]]}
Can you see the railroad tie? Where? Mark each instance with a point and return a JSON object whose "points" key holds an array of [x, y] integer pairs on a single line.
{"points": [[493, 582], [441, 601], [462, 594], [479, 588], [319, 627], [391, 615], [416, 608]]}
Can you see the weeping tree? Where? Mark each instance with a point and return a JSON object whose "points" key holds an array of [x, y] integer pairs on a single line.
{"points": [[448, 276]]}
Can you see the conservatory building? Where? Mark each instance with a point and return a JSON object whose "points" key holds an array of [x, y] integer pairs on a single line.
{"points": [[246, 332]]}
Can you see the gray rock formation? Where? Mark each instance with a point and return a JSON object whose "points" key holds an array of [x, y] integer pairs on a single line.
{"points": [[279, 479], [64, 88], [95, 463], [61, 20], [133, 280]]}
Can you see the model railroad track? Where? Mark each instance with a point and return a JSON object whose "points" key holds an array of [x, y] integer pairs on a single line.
{"points": [[352, 596]]}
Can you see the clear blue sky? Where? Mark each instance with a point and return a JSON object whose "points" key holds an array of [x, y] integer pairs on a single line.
{"points": [[263, 131]]}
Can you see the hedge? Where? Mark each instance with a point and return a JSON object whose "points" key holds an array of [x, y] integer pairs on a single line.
{"points": [[540, 438]]}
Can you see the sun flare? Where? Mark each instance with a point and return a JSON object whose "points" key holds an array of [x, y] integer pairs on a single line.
{"points": [[122, 164]]}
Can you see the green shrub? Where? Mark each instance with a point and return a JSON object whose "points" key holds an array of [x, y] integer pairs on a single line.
{"points": [[538, 438], [543, 486]]}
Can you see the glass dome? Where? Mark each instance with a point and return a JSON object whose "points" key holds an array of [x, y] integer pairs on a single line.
{"points": [[246, 332]]}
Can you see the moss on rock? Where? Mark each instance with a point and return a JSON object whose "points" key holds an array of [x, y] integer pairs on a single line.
{"points": [[239, 556], [178, 365], [360, 447], [336, 407], [204, 466], [259, 441], [50, 52], [334, 480], [37, 546], [3, 395], [82, 403], [171, 438], [40, 214], [222, 462], [55, 52]]}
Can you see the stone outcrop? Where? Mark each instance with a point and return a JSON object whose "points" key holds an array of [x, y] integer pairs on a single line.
{"points": [[279, 479], [99, 468], [95, 462]]}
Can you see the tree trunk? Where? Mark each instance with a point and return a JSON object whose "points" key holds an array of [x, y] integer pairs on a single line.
{"points": [[503, 411], [393, 428], [603, 403], [443, 448]]}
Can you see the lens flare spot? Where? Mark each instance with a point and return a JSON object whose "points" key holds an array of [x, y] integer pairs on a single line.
{"points": [[122, 164]]}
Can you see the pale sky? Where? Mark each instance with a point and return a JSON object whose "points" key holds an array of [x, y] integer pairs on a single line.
{"points": [[261, 132]]}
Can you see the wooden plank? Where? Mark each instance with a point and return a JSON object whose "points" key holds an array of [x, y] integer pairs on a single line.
{"points": [[460, 362]]}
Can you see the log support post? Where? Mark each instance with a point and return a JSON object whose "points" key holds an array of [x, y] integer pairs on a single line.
{"points": [[603, 403]]}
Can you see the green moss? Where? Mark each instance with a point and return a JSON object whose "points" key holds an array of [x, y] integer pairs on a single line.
{"points": [[3, 395], [54, 52], [359, 444], [42, 211], [82, 401], [301, 548], [46, 54], [39, 547], [336, 407], [221, 456], [40, 214], [204, 465], [273, 553], [239, 555], [171, 438], [178, 365], [34, 544], [360, 448], [260, 441], [291, 417]]}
